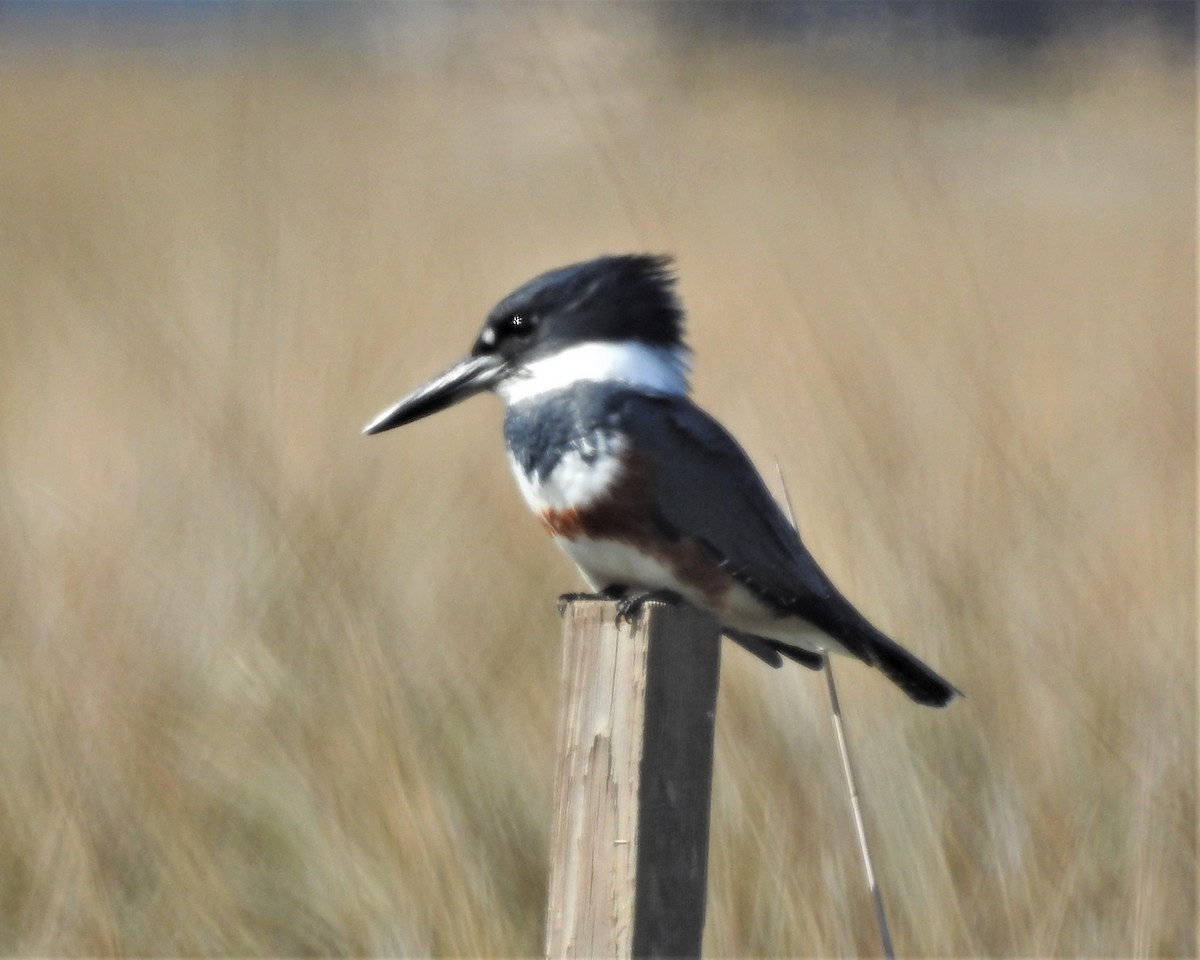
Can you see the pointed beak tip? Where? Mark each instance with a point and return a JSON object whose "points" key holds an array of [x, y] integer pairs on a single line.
{"points": [[371, 428], [384, 421]]}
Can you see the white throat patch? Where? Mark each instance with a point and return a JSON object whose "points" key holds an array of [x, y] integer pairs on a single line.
{"points": [[657, 369]]}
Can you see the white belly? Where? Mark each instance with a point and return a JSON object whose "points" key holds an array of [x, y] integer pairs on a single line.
{"points": [[606, 562]]}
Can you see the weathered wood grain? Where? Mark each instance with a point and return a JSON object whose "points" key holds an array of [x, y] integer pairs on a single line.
{"points": [[631, 802]]}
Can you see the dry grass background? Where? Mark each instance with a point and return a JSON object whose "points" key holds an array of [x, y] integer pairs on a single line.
{"points": [[269, 687]]}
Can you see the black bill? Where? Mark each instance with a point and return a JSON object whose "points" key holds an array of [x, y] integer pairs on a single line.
{"points": [[464, 379]]}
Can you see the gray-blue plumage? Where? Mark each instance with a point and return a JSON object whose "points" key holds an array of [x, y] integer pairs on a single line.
{"points": [[539, 433]]}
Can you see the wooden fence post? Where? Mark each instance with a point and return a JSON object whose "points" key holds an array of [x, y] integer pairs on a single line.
{"points": [[629, 846]]}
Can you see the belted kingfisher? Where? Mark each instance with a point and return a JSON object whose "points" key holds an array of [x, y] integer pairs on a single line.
{"points": [[647, 493]]}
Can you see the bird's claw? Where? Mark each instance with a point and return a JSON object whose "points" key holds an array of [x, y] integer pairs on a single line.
{"points": [[614, 591], [630, 607]]}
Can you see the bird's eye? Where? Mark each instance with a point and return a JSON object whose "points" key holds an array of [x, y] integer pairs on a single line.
{"points": [[520, 324], [505, 330]]}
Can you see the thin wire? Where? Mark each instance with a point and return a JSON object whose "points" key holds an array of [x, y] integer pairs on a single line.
{"points": [[860, 828]]}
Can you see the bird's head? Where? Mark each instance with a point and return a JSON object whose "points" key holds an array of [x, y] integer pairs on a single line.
{"points": [[615, 318]]}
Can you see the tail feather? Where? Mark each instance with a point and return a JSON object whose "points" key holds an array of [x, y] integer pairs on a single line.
{"points": [[912, 676], [772, 652], [838, 618]]}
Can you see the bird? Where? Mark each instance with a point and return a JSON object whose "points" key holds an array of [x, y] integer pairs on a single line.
{"points": [[649, 495]]}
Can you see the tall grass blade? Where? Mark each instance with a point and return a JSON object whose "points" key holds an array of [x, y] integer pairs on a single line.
{"points": [[839, 731]]}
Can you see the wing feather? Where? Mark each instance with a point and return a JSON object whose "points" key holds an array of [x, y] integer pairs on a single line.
{"points": [[708, 488], [705, 487]]}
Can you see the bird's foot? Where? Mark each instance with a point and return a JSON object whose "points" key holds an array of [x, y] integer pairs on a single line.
{"points": [[614, 591], [630, 607]]}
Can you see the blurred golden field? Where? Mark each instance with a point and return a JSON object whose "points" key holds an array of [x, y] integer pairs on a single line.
{"points": [[269, 687]]}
